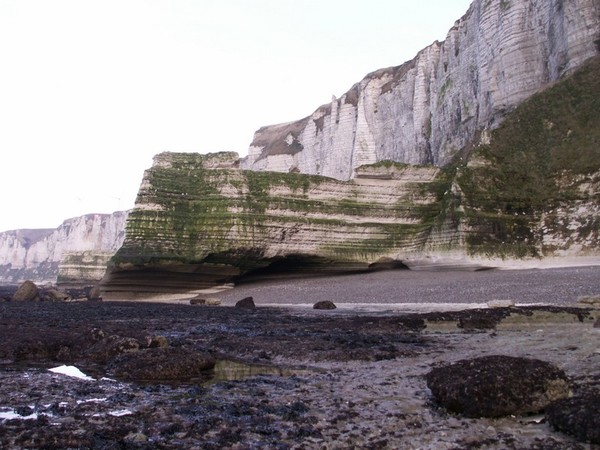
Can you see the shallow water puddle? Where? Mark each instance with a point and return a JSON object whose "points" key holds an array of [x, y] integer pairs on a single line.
{"points": [[228, 370]]}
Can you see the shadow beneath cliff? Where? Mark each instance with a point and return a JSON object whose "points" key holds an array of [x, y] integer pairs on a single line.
{"points": [[312, 266]]}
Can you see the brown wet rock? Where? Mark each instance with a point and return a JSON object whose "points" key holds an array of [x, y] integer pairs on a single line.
{"points": [[27, 292], [246, 303], [325, 305], [162, 364], [578, 416], [497, 385], [111, 346]]}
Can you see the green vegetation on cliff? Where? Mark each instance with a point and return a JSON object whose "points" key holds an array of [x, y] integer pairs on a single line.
{"points": [[503, 200], [539, 160]]}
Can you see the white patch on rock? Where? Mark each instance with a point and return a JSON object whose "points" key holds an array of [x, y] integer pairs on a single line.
{"points": [[71, 371]]}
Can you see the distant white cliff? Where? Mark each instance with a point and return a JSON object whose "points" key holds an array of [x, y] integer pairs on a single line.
{"points": [[428, 109], [79, 248]]}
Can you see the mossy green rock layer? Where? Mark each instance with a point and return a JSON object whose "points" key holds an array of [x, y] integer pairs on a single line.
{"points": [[532, 192], [203, 221]]}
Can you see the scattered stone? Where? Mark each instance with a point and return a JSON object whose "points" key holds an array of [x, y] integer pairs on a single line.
{"points": [[95, 294], [162, 364], [578, 416], [247, 303], [324, 304], [501, 304], [197, 301], [213, 302], [54, 295], [27, 292], [497, 385]]}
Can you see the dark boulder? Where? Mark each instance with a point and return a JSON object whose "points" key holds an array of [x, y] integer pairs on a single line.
{"points": [[496, 386], [162, 364], [28, 291], [578, 416], [324, 304], [247, 303]]}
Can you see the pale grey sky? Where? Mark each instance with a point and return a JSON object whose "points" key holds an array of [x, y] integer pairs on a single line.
{"points": [[91, 90]]}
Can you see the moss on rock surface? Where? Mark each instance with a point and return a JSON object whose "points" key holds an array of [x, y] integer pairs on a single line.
{"points": [[535, 188], [191, 211], [533, 191]]}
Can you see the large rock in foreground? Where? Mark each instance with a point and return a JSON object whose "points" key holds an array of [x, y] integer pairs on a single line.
{"points": [[496, 386]]}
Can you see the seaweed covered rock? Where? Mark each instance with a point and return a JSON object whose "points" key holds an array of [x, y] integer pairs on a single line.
{"points": [[162, 364], [578, 416], [497, 385]]}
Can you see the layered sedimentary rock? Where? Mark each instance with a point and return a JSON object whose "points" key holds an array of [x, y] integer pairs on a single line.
{"points": [[199, 220], [79, 249], [532, 192], [426, 110]]}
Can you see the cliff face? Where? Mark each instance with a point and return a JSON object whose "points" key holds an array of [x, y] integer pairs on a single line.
{"points": [[426, 110], [531, 192], [37, 255], [199, 220]]}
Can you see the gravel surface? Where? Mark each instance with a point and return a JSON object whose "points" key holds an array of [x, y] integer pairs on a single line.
{"points": [[384, 289]]}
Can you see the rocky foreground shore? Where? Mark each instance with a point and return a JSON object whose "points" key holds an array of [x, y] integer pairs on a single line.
{"points": [[182, 376]]}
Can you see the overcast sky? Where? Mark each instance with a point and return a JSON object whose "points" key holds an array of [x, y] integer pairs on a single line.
{"points": [[90, 91]]}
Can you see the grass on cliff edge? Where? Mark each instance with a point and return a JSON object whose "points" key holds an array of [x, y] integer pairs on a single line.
{"points": [[555, 131], [535, 159]]}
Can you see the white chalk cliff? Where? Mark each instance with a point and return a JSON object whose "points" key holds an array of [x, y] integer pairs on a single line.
{"points": [[426, 110], [37, 254]]}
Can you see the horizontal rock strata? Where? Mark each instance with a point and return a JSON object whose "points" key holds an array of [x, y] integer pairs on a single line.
{"points": [[532, 192], [199, 220]]}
